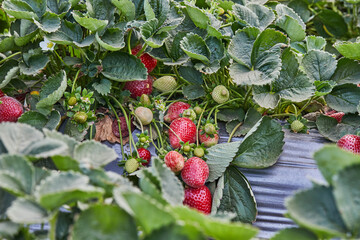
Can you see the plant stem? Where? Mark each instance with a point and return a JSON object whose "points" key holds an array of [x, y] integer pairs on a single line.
{"points": [[307, 104], [217, 106], [172, 93], [141, 50], [233, 131], [60, 59], [12, 55], [172, 131], [159, 134], [118, 120], [152, 140], [247, 97], [52, 232], [76, 77], [198, 126], [129, 41], [281, 115]]}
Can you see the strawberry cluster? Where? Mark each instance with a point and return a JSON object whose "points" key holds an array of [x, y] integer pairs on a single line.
{"points": [[10, 108]]}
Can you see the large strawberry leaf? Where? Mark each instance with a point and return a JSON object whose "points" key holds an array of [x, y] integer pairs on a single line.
{"points": [[261, 146], [51, 92], [329, 23], [121, 66], [195, 47], [328, 162], [265, 57], [346, 195], [347, 71], [290, 22], [126, 7], [90, 23], [112, 39], [26, 211], [349, 49], [86, 153], [319, 65], [7, 71], [24, 31], [251, 118], [237, 196], [213, 227], [219, 158], [327, 222], [30, 10], [344, 98], [332, 130], [34, 62], [39, 120], [294, 234], [315, 43], [150, 34], [157, 9], [199, 18], [107, 221]]}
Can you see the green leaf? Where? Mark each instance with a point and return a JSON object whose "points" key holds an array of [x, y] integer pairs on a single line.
{"points": [[90, 23], [24, 31], [40, 121], [7, 43], [103, 87], [191, 75], [291, 27], [192, 92], [283, 10], [70, 142], [7, 71], [330, 24], [113, 39], [251, 118], [87, 153], [34, 63], [315, 43], [230, 114], [294, 234], [262, 145], [332, 130], [346, 193], [331, 160], [217, 194], [254, 15], [24, 211], [63, 188], [49, 22], [177, 232], [6, 200], [59, 7], [150, 185], [72, 130], [264, 96], [103, 10], [241, 45], [292, 83], [347, 71], [213, 227], [319, 65], [107, 222], [238, 196], [172, 189], [52, 91], [25, 10], [17, 137], [157, 9], [219, 157], [344, 98], [150, 34], [349, 49], [8, 229], [216, 48], [199, 18], [149, 214], [126, 7], [121, 66], [319, 214], [301, 8], [16, 174], [195, 47], [65, 163]]}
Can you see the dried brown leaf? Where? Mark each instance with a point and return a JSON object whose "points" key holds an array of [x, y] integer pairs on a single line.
{"points": [[104, 131]]}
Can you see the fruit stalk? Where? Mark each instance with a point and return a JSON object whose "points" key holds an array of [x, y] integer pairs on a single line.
{"points": [[118, 120]]}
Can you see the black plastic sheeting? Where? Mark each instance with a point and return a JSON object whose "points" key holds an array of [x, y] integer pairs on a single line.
{"points": [[293, 171]]}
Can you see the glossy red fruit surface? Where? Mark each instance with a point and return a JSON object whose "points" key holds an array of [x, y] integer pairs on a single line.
{"points": [[149, 62], [1, 93], [208, 140], [138, 88], [145, 155], [337, 115], [175, 161], [350, 142], [124, 128], [198, 198], [10, 109], [195, 172], [185, 131], [174, 111]]}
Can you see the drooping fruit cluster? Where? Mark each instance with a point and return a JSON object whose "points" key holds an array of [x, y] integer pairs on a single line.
{"points": [[10, 109], [138, 88], [350, 143], [149, 62], [174, 111]]}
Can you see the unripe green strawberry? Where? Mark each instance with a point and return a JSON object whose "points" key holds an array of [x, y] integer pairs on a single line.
{"points": [[131, 165], [189, 113], [144, 114], [199, 152], [297, 126], [72, 101], [145, 100], [220, 94], [165, 84], [210, 128], [198, 110], [80, 117]]}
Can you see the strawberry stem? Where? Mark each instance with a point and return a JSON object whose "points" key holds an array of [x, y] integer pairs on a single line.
{"points": [[129, 41], [172, 131], [152, 140], [12, 55], [76, 77], [233, 131], [118, 121], [198, 126], [158, 132], [248, 94], [142, 50]]}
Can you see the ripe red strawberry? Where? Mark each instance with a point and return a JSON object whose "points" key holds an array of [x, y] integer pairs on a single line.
{"points": [[138, 88], [149, 62], [123, 126], [350, 142], [185, 129], [337, 115], [175, 161], [1, 93], [144, 154], [208, 140], [198, 198], [195, 172], [174, 111], [10, 109]]}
